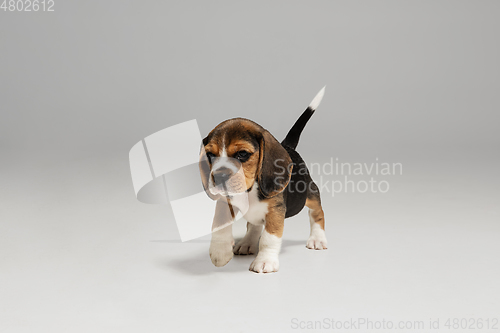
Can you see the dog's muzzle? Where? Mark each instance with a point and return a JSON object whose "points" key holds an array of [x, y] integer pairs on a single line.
{"points": [[222, 175], [227, 177]]}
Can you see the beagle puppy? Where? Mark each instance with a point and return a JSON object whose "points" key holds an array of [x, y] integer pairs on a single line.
{"points": [[239, 156]]}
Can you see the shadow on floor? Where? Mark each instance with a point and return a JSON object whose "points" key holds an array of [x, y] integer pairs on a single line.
{"points": [[200, 264]]}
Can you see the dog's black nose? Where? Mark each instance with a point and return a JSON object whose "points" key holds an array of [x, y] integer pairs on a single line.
{"points": [[221, 175]]}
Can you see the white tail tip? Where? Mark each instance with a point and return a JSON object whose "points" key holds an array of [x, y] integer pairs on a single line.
{"points": [[317, 100]]}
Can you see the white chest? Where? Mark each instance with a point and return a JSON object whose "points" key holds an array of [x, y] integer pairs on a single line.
{"points": [[257, 210]]}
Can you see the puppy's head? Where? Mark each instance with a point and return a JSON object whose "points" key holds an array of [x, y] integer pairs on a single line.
{"points": [[237, 154]]}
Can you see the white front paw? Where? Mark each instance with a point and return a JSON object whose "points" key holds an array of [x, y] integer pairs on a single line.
{"points": [[265, 264], [221, 253], [317, 240], [246, 246]]}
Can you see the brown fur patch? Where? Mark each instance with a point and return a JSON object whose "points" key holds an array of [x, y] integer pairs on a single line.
{"points": [[212, 148], [237, 145], [317, 213], [275, 217], [250, 165]]}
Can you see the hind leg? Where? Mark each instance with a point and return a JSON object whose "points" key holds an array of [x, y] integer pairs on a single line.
{"points": [[317, 238]]}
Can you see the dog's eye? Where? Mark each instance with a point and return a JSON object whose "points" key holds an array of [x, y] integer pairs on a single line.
{"points": [[210, 156], [242, 155]]}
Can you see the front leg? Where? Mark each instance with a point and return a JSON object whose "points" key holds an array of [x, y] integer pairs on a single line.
{"points": [[270, 242], [249, 244], [221, 245]]}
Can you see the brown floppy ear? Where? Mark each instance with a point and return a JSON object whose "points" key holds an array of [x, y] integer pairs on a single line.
{"points": [[205, 169], [275, 166]]}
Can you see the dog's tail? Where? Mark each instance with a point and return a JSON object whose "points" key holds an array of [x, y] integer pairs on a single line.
{"points": [[292, 138]]}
